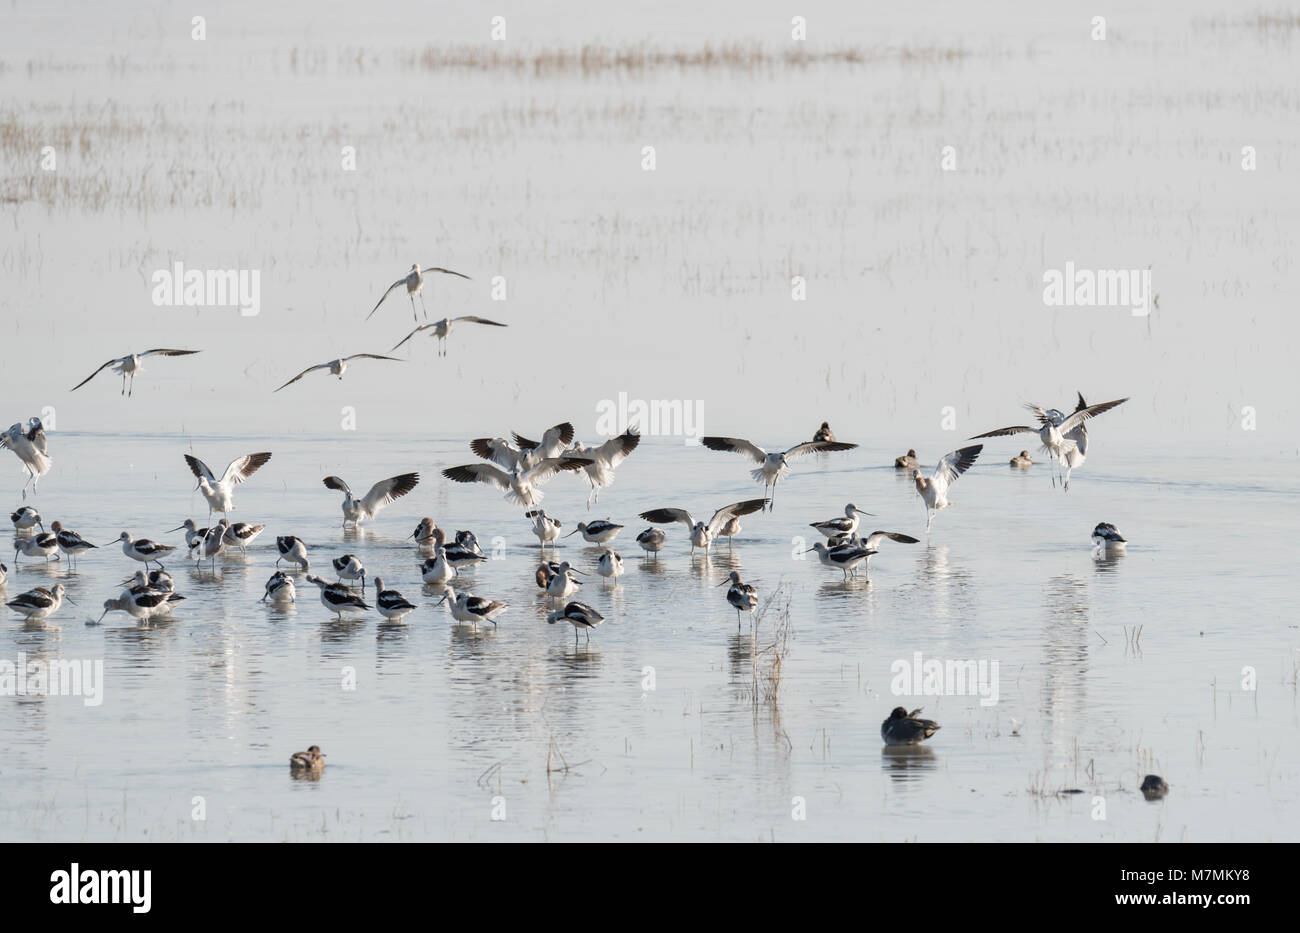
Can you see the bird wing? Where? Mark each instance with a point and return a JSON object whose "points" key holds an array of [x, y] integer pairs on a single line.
{"points": [[386, 490], [371, 356], [478, 473], [877, 536], [477, 320], [37, 437], [497, 449], [553, 441], [1005, 432], [807, 447], [424, 270], [668, 516], [303, 373], [615, 450], [162, 351], [243, 467], [736, 509], [412, 334], [735, 445], [953, 465], [96, 373], [543, 470], [333, 482], [1092, 411], [199, 469], [401, 281]]}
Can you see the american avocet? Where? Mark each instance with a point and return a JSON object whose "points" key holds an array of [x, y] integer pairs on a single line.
{"points": [[70, 542], [390, 603], [524, 453], [1021, 460], [469, 541], [144, 550], [1106, 537], [907, 462], [338, 366], [903, 728], [414, 282], [357, 510], [26, 518], [159, 580], [193, 533], [579, 615], [349, 567], [652, 540], [242, 534], [871, 542], [293, 550], [561, 582], [437, 570], [310, 761], [772, 466], [1054, 427], [520, 484], [1154, 787], [40, 603], [129, 365], [605, 458], [220, 493], [423, 533], [844, 525], [466, 607], [845, 558], [142, 604], [546, 528], [337, 597], [280, 588], [464, 550], [1075, 456], [610, 565], [934, 491], [31, 448], [703, 535], [4, 575], [824, 433], [740, 595], [214, 542], [38, 545], [601, 531], [443, 327]]}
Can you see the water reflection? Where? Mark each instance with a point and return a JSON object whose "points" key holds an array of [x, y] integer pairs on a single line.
{"points": [[906, 764], [1107, 561]]}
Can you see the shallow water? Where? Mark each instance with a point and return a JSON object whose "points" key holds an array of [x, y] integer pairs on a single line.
{"points": [[444, 719]]}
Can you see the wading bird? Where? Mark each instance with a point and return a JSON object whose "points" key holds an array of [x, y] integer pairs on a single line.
{"points": [[40, 545], [1058, 432], [414, 282], [610, 565], [934, 491], [846, 558], [280, 588], [546, 528], [129, 365], [443, 328], [349, 567], [579, 615], [703, 535], [466, 607], [601, 531], [40, 603], [741, 595], [772, 466], [903, 728], [652, 540], [521, 485], [142, 604], [220, 493], [71, 543], [846, 525], [241, 535], [144, 550], [338, 598], [30, 446], [390, 603], [356, 510], [338, 366], [293, 550], [26, 518]]}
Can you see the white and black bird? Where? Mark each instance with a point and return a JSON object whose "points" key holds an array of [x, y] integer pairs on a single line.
{"points": [[359, 509], [129, 365], [772, 467], [39, 603], [423, 533], [844, 525], [466, 607], [579, 615], [4, 575], [39, 545], [1057, 431], [934, 491], [845, 558], [652, 540], [546, 528], [1106, 537], [219, 493], [522, 453], [293, 550], [521, 484], [159, 580], [610, 565], [442, 328], [414, 283], [464, 551], [143, 549], [242, 534], [390, 603], [214, 542], [605, 459], [70, 542], [338, 598], [437, 570], [703, 534], [142, 603], [601, 531], [871, 542], [193, 533], [338, 366], [560, 583], [280, 588], [740, 595], [25, 519], [31, 447], [349, 567]]}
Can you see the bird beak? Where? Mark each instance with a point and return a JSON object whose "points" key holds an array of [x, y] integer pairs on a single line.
{"points": [[810, 550], [576, 570], [441, 601], [724, 582], [573, 532], [101, 617], [69, 599], [177, 528]]}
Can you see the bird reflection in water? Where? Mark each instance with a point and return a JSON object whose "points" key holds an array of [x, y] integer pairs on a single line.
{"points": [[907, 763]]}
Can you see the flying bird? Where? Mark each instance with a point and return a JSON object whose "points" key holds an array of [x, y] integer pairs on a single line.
{"points": [[356, 510], [934, 491], [605, 458], [129, 365], [524, 453], [414, 282], [1058, 432], [220, 492], [772, 466], [337, 367], [702, 534], [520, 484], [30, 446], [442, 328]]}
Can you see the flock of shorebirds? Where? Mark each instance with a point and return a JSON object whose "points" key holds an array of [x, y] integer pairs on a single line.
{"points": [[519, 467]]}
